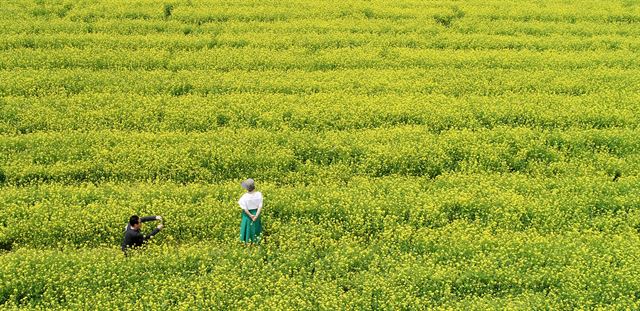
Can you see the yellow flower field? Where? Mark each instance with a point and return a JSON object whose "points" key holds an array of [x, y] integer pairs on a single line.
{"points": [[413, 155]]}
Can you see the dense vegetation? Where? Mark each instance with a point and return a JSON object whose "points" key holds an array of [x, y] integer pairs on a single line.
{"points": [[442, 154]]}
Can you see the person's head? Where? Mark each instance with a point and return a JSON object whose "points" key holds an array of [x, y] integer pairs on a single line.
{"points": [[249, 185], [134, 222]]}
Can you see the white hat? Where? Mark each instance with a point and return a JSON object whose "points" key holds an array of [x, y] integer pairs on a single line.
{"points": [[249, 184]]}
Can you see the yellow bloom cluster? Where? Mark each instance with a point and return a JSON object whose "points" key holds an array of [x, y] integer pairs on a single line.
{"points": [[412, 154]]}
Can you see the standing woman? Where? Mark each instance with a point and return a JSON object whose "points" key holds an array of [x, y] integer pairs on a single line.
{"points": [[251, 205]]}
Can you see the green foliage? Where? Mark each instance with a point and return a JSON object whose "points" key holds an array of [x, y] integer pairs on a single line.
{"points": [[168, 9], [412, 154], [447, 19]]}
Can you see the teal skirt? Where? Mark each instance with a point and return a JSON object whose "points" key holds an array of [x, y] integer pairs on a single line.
{"points": [[250, 230]]}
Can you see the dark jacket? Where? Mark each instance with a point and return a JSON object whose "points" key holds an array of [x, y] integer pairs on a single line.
{"points": [[133, 238]]}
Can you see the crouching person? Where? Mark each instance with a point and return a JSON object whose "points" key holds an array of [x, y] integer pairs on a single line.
{"points": [[132, 236]]}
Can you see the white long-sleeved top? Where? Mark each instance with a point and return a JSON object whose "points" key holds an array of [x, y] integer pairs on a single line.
{"points": [[250, 201]]}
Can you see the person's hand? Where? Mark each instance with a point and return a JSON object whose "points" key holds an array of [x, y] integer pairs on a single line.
{"points": [[253, 218], [160, 226], [158, 217]]}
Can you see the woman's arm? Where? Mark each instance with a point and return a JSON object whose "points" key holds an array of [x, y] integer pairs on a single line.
{"points": [[259, 210], [244, 208], [246, 211]]}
